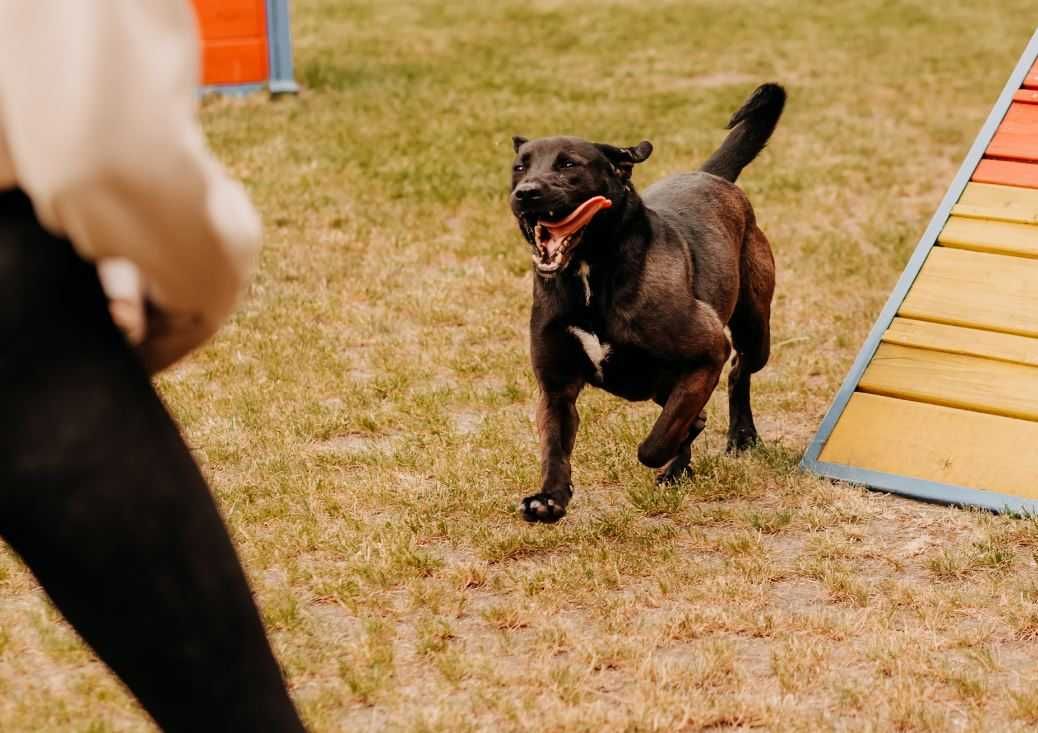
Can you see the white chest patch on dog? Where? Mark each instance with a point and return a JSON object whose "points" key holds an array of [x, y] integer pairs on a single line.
{"points": [[585, 277], [596, 351]]}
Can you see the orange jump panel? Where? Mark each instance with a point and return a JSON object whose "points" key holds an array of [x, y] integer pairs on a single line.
{"points": [[234, 41]]}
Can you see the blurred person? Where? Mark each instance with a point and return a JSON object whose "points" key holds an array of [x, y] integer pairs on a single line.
{"points": [[103, 165]]}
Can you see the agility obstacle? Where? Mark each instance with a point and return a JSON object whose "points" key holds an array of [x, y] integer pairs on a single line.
{"points": [[246, 46], [942, 401]]}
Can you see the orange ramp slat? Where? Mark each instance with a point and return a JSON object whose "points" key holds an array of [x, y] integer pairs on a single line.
{"points": [[1014, 146], [1031, 82], [1007, 173], [1017, 136], [1020, 117]]}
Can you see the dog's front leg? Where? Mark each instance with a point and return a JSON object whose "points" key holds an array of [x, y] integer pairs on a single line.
{"points": [[557, 423]]}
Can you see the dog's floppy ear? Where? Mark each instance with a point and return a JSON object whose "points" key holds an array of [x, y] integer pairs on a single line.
{"points": [[517, 142], [624, 159]]}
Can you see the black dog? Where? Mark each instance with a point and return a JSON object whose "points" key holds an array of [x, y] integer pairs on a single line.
{"points": [[633, 294]]}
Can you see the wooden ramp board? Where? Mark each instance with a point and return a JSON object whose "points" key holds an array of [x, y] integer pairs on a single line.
{"points": [[985, 235], [938, 444], [976, 290], [1001, 203], [967, 341], [942, 401], [954, 380]]}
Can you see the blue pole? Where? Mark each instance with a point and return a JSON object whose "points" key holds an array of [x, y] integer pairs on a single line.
{"points": [[279, 35]]}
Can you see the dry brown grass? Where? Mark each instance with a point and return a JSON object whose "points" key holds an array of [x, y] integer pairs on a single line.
{"points": [[367, 423]]}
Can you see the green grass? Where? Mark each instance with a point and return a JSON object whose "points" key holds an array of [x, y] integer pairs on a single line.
{"points": [[367, 423]]}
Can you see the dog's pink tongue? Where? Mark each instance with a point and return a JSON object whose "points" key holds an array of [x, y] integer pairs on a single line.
{"points": [[580, 217]]}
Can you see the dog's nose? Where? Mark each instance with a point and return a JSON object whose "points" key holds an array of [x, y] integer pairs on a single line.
{"points": [[527, 192]]}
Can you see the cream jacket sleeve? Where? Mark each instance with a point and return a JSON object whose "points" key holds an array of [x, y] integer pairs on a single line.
{"points": [[98, 117]]}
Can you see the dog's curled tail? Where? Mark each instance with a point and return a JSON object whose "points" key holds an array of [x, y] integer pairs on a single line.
{"points": [[750, 126]]}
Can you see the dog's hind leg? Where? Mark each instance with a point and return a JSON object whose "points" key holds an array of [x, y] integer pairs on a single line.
{"points": [[742, 433], [751, 337], [679, 466]]}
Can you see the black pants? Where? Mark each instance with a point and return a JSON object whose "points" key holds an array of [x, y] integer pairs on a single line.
{"points": [[102, 500]]}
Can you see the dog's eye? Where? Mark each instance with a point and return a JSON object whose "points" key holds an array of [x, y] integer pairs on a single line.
{"points": [[567, 164], [518, 167]]}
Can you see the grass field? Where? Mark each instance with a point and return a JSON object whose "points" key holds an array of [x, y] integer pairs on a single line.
{"points": [[367, 418]]}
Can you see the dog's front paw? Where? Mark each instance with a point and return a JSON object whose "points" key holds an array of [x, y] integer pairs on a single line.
{"points": [[677, 470], [542, 508], [672, 475], [653, 455]]}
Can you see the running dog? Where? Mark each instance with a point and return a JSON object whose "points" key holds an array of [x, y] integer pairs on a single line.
{"points": [[637, 294]]}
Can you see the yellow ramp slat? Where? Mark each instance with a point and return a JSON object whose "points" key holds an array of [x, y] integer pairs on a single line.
{"points": [[986, 235], [955, 380], [1003, 203], [934, 443], [959, 340], [975, 289]]}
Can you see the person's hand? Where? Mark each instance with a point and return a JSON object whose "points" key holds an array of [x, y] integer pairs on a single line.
{"points": [[121, 282], [128, 315], [170, 336]]}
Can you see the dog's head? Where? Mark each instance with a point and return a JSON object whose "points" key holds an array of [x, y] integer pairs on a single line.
{"points": [[559, 184]]}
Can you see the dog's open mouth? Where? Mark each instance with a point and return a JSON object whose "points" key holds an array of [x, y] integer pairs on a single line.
{"points": [[554, 240]]}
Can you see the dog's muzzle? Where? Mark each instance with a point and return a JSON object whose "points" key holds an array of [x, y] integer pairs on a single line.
{"points": [[554, 241]]}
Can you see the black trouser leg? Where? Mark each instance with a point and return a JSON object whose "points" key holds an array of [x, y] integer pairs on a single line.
{"points": [[102, 500]]}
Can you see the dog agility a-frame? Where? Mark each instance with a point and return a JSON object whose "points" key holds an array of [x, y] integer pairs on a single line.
{"points": [[941, 403]]}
